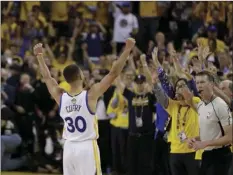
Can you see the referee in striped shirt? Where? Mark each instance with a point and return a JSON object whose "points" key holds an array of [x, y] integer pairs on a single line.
{"points": [[215, 122]]}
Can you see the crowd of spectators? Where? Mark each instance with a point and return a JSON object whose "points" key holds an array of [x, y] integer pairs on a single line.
{"points": [[189, 37]]}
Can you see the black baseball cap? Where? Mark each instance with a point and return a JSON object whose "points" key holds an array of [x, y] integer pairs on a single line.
{"points": [[212, 28], [140, 79]]}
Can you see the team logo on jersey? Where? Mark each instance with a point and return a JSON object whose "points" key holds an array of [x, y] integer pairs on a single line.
{"points": [[123, 23], [73, 100]]}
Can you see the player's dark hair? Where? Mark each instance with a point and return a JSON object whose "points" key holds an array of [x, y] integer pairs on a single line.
{"points": [[208, 74], [72, 73]]}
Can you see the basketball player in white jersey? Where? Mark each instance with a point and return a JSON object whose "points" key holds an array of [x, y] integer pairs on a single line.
{"points": [[77, 108]]}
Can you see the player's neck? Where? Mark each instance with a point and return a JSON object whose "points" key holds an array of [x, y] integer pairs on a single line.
{"points": [[74, 90]]}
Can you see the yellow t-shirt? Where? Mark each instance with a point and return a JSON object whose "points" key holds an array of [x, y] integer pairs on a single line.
{"points": [[151, 9], [198, 155], [7, 30], [60, 67], [64, 85], [85, 12], [220, 44], [26, 7], [219, 5], [190, 128], [43, 20], [121, 111], [59, 11], [198, 8], [102, 12]]}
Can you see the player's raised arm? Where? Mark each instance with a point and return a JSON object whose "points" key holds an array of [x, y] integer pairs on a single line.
{"points": [[51, 83], [98, 89]]}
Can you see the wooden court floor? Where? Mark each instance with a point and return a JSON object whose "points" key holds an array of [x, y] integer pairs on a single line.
{"points": [[22, 173]]}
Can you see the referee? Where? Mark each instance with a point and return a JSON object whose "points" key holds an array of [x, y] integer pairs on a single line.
{"points": [[215, 123]]}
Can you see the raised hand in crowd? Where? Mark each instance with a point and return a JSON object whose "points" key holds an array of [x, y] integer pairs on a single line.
{"points": [[156, 62], [146, 69]]}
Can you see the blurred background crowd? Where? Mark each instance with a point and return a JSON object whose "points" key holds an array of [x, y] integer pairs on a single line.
{"points": [[92, 35]]}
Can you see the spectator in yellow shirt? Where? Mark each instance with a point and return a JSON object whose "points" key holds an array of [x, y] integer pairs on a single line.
{"points": [[102, 13], [184, 125], [26, 8], [211, 35], [62, 58], [59, 17], [118, 108], [219, 6]]}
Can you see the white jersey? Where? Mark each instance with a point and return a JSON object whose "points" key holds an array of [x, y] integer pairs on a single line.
{"points": [[80, 123]]}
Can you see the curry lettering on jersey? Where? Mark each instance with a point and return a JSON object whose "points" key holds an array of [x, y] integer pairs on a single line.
{"points": [[72, 108], [79, 123]]}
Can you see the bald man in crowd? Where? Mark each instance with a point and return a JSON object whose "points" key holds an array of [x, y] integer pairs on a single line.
{"points": [[225, 91], [227, 87]]}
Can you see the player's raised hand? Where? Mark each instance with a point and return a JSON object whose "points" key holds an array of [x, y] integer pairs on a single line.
{"points": [[38, 49], [130, 43]]}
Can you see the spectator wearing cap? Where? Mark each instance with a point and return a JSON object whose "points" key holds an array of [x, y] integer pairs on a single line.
{"points": [[125, 24], [141, 127], [211, 34], [220, 24]]}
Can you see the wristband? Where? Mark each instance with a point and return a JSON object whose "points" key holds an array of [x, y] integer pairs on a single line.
{"points": [[160, 70]]}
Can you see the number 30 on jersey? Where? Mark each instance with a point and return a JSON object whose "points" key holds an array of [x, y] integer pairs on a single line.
{"points": [[78, 124]]}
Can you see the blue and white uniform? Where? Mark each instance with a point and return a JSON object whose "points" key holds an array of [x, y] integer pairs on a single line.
{"points": [[81, 152]]}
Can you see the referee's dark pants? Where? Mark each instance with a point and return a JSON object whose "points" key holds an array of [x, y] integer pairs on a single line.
{"points": [[140, 154], [216, 162], [184, 164]]}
